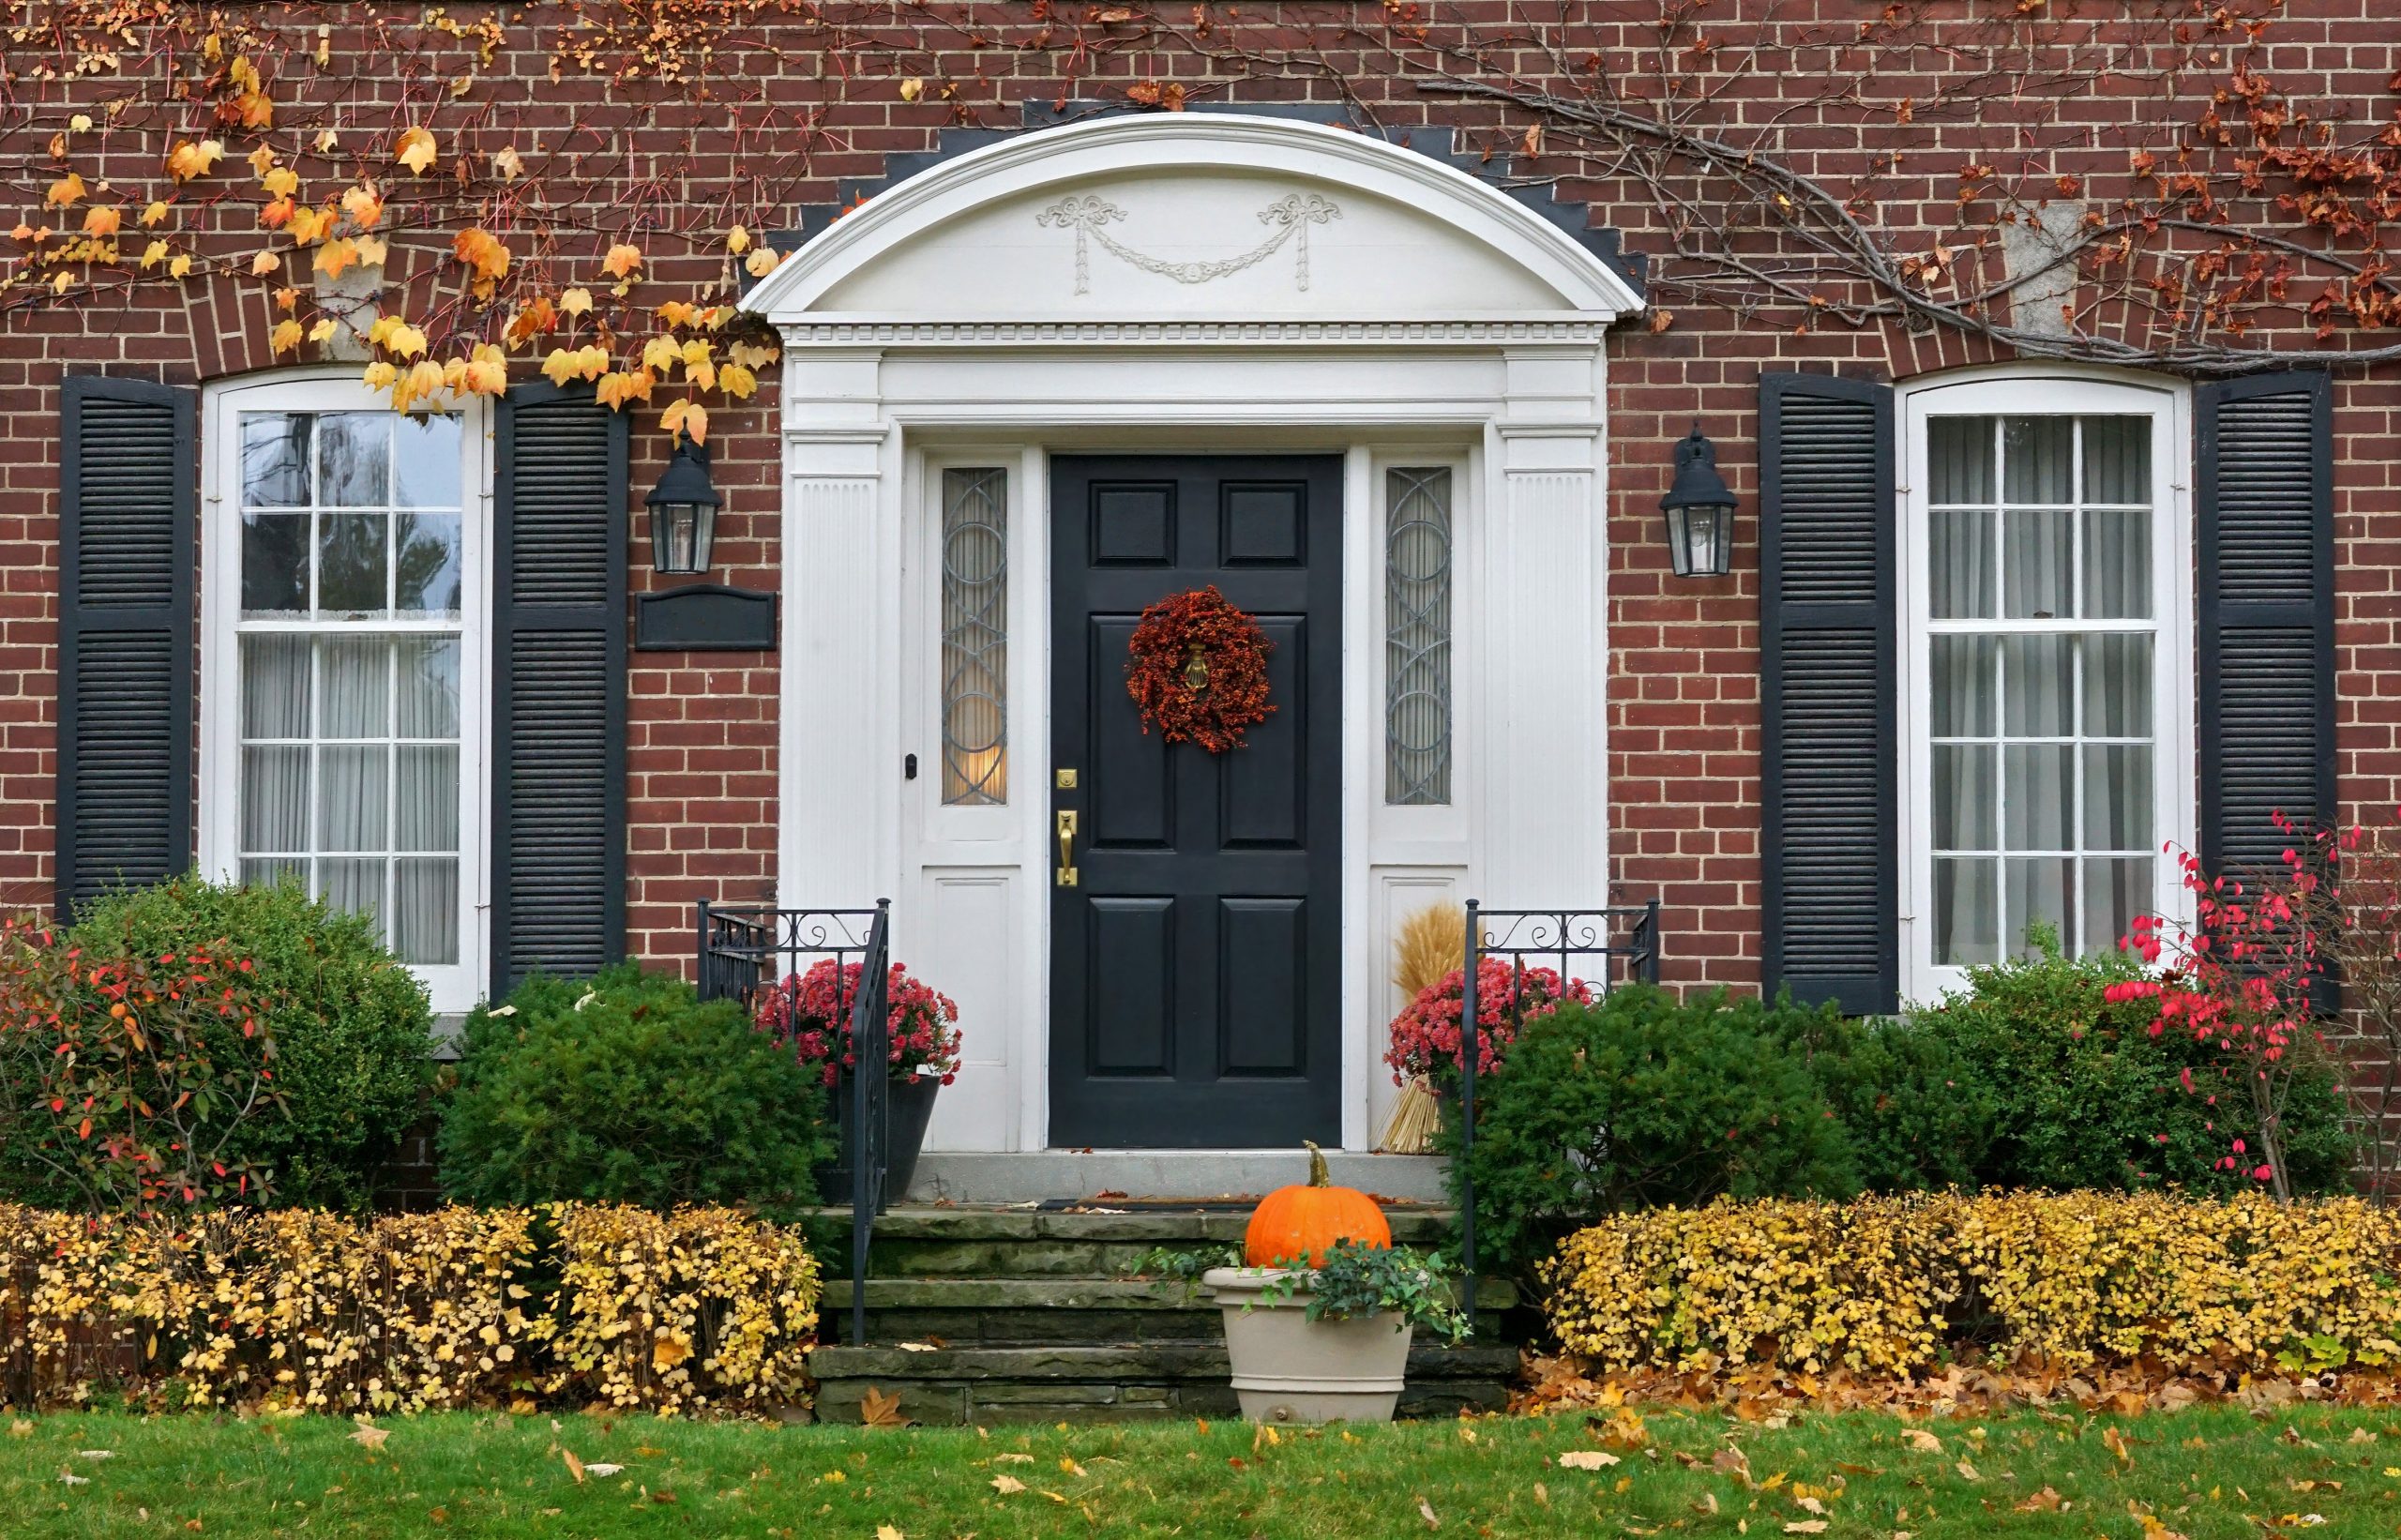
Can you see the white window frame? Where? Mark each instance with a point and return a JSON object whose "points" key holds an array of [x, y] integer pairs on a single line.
{"points": [[2174, 786], [453, 987], [1427, 824]]}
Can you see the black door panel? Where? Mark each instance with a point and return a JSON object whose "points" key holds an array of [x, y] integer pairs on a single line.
{"points": [[1194, 970]]}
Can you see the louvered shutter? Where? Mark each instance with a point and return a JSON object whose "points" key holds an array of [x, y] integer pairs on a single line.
{"points": [[558, 686], [127, 560], [2265, 458], [1828, 629]]}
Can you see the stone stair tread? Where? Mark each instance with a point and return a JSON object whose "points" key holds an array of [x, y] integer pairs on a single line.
{"points": [[1193, 1359], [1062, 1292], [1411, 1226]]}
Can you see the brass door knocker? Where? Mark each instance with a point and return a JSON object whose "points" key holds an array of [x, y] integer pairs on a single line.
{"points": [[1196, 671]]}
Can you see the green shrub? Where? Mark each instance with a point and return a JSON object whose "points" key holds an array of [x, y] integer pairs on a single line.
{"points": [[350, 1026], [2083, 1096], [1918, 1114], [628, 1089], [1641, 1100]]}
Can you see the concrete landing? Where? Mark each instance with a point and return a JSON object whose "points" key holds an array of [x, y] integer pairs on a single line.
{"points": [[1053, 1174]]}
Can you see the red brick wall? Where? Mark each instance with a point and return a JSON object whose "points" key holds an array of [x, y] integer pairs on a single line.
{"points": [[784, 103]]}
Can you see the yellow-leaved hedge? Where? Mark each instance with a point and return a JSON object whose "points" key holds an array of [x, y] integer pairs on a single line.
{"points": [[700, 1309], [1892, 1285]]}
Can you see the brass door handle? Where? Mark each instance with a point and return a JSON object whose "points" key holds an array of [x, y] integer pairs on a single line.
{"points": [[1067, 847]]}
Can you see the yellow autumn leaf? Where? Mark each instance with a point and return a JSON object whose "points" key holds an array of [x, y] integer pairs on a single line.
{"points": [[762, 262], [156, 212], [416, 149], [667, 1353], [285, 338], [911, 88], [261, 159], [80, 123], [737, 240], [102, 221], [264, 263], [614, 390], [364, 205], [660, 353], [372, 251], [67, 190], [322, 331], [153, 253], [485, 372], [194, 157], [575, 302], [180, 267], [420, 380], [380, 376], [738, 381], [336, 256], [507, 164], [282, 181], [688, 417], [621, 261], [405, 340]]}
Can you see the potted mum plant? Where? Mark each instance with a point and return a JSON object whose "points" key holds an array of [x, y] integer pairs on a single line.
{"points": [[1426, 1034], [1319, 1316], [810, 1013]]}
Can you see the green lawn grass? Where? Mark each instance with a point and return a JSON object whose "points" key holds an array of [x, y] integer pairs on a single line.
{"points": [[2202, 1472]]}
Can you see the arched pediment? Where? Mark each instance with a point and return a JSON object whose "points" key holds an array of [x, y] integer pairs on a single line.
{"points": [[1190, 216]]}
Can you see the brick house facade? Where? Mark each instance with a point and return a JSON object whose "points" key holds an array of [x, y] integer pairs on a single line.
{"points": [[1942, 127]]}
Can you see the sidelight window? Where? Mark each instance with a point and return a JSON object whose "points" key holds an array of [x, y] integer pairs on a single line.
{"points": [[1417, 636], [975, 637]]}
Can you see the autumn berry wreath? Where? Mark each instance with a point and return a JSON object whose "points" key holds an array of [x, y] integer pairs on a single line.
{"points": [[1197, 668]]}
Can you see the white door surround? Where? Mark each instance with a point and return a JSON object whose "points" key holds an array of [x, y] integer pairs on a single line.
{"points": [[1180, 282]]}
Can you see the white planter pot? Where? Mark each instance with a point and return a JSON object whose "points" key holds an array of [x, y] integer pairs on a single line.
{"points": [[1288, 1368]]}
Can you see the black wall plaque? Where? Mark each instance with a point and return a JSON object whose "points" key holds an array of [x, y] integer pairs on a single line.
{"points": [[706, 617]]}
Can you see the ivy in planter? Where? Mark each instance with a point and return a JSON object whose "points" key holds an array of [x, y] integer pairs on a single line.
{"points": [[1356, 1279]]}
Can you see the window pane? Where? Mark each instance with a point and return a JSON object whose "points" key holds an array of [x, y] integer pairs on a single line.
{"points": [[1963, 686], [2117, 564], [352, 798], [1967, 922], [275, 563], [426, 461], [1959, 453], [2038, 689], [2114, 893], [2117, 797], [275, 460], [353, 688], [2038, 459], [429, 668], [2117, 687], [1961, 582], [1965, 797], [1417, 636], [275, 800], [425, 911], [2040, 894], [975, 637], [275, 873], [426, 797], [2037, 563], [351, 563], [2117, 460], [353, 459], [354, 885], [426, 554], [2038, 797], [275, 687]]}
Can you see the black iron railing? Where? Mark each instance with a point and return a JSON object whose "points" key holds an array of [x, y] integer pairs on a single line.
{"points": [[1602, 947], [746, 952]]}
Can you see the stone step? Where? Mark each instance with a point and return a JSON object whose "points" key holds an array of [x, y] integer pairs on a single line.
{"points": [[1046, 1310], [914, 1241], [1112, 1382]]}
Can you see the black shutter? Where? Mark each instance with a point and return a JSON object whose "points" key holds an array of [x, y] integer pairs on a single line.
{"points": [[558, 686], [2265, 463], [1828, 659], [127, 560]]}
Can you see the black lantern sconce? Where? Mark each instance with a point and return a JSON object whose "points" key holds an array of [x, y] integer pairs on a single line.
{"points": [[683, 511], [1701, 512]]}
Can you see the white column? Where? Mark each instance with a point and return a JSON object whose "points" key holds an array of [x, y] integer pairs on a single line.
{"points": [[839, 599], [1543, 755]]}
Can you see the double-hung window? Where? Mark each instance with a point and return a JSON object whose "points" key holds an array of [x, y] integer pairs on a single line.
{"points": [[342, 700], [2048, 664]]}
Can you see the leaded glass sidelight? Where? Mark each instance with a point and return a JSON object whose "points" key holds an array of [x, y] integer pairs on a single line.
{"points": [[1417, 636], [975, 637]]}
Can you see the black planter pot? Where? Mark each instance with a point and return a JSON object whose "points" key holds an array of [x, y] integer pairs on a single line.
{"points": [[910, 1106]]}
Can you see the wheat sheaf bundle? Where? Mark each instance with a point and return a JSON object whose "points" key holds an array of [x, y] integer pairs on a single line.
{"points": [[1430, 946]]}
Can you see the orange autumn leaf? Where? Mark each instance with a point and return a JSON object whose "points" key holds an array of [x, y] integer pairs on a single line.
{"points": [[688, 417], [364, 205], [194, 157], [102, 221], [67, 190], [416, 149], [621, 261]]}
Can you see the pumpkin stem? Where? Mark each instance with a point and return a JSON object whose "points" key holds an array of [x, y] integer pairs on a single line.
{"points": [[1318, 1177]]}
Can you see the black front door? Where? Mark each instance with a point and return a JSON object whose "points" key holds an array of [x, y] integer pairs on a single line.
{"points": [[1195, 974]]}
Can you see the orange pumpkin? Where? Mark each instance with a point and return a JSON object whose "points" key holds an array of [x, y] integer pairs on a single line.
{"points": [[1292, 1222]]}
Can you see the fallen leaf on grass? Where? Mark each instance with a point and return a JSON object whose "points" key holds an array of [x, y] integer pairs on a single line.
{"points": [[73, 1480], [1919, 1439], [1425, 1511], [2115, 1441], [877, 1410], [574, 1466], [96, 1454], [604, 1470], [1012, 1460], [1587, 1459], [885, 1532], [2045, 1500], [1006, 1485], [1733, 1462], [19, 1429], [1968, 1472], [1806, 1526], [368, 1436], [1708, 1503]]}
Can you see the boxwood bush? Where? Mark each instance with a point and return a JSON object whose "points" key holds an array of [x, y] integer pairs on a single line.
{"points": [[350, 1026], [628, 1088]]}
